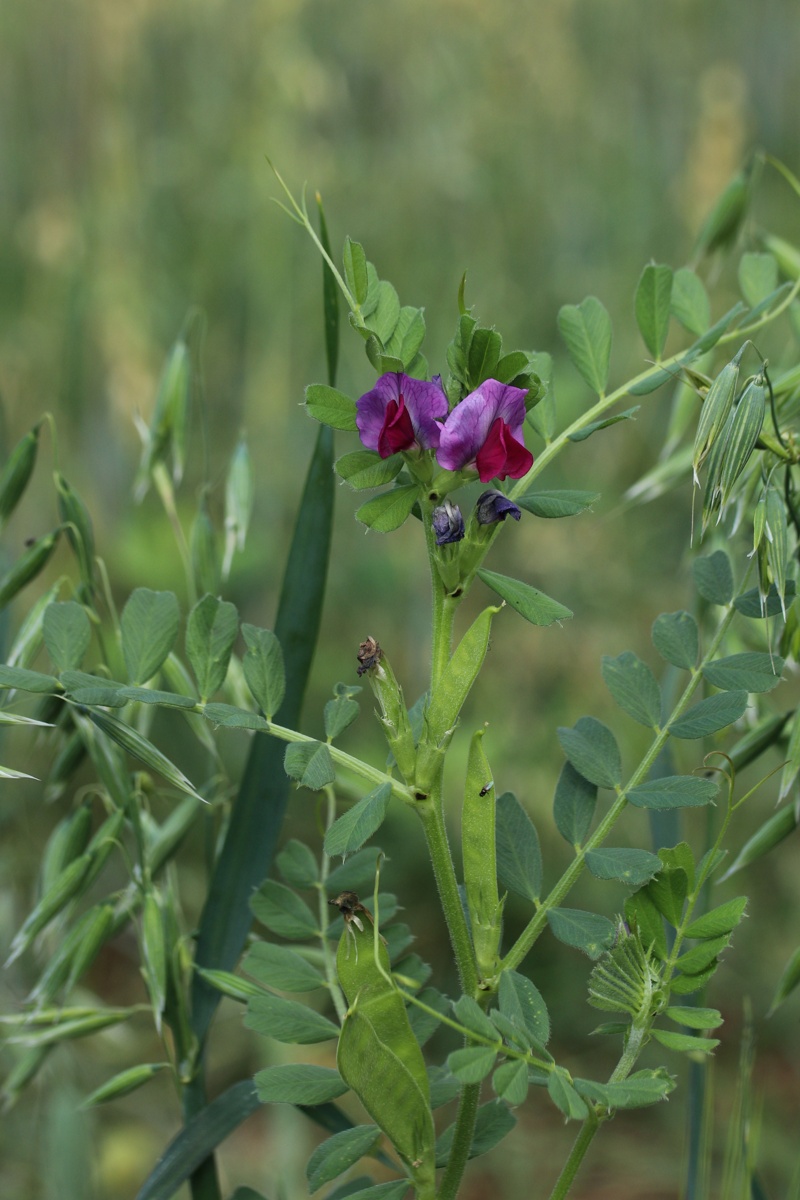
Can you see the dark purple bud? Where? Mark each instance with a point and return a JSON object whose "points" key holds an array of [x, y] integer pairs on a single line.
{"points": [[448, 523], [494, 506]]}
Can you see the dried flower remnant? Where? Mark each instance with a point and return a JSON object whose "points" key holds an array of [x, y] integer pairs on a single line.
{"points": [[493, 506], [369, 655], [349, 906], [447, 523]]}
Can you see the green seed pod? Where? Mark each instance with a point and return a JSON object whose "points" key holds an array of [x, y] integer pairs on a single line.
{"points": [[68, 841], [124, 1082], [65, 764], [750, 747], [759, 521], [745, 425], [714, 413], [239, 494], [22, 1073], [458, 677], [79, 1027], [28, 566], [393, 712], [98, 930], [154, 954], [17, 472], [68, 884], [723, 223], [78, 525], [771, 833], [61, 971], [777, 542], [203, 548], [231, 985], [29, 639], [479, 855]]}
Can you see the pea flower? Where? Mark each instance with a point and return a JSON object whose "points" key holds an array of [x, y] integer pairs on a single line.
{"points": [[448, 523], [484, 433], [399, 413], [493, 506]]}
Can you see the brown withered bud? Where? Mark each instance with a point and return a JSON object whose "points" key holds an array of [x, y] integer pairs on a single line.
{"points": [[349, 906], [369, 655]]}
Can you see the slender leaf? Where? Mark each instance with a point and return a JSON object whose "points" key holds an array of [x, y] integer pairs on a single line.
{"points": [[298, 1083], [673, 791], [349, 832], [710, 715], [633, 867], [519, 856], [530, 603]]}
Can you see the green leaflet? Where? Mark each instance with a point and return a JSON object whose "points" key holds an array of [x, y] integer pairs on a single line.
{"points": [[677, 639], [710, 715], [633, 685], [528, 601], [67, 633], [495, 1120], [593, 752], [585, 931], [652, 307], [519, 856], [390, 509], [378, 1055], [574, 803], [298, 1083], [149, 625], [689, 301], [633, 867], [283, 911], [713, 577], [263, 669], [210, 633], [281, 968], [338, 1153], [288, 1021], [349, 832], [586, 330]]}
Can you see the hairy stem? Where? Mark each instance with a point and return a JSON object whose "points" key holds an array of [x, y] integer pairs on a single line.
{"points": [[432, 816], [462, 1141], [576, 1157]]}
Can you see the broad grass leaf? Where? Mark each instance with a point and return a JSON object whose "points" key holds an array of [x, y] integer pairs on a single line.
{"points": [[593, 751], [149, 626], [198, 1138], [585, 931], [586, 330]]}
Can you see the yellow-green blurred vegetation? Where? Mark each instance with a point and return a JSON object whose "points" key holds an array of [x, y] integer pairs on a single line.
{"points": [[550, 149]]}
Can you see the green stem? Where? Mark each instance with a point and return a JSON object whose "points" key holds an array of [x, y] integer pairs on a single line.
{"points": [[577, 1155], [462, 1141], [339, 1002], [432, 816], [529, 935]]}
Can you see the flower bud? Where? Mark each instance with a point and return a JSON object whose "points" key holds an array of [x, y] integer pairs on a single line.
{"points": [[493, 506], [447, 523]]}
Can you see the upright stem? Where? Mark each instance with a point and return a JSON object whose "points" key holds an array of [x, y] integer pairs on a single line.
{"points": [[577, 1155], [462, 1141], [432, 815]]}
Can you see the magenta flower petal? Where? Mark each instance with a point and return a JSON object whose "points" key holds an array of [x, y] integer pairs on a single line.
{"points": [[484, 433], [400, 412]]}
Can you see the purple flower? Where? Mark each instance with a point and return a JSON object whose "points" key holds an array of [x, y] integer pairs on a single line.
{"points": [[484, 433], [448, 523], [399, 413], [493, 506]]}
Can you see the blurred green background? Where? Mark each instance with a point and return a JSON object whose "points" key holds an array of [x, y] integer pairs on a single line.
{"points": [[551, 149]]}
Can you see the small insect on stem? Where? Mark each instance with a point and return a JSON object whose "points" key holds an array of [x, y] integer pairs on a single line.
{"points": [[487, 787]]}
